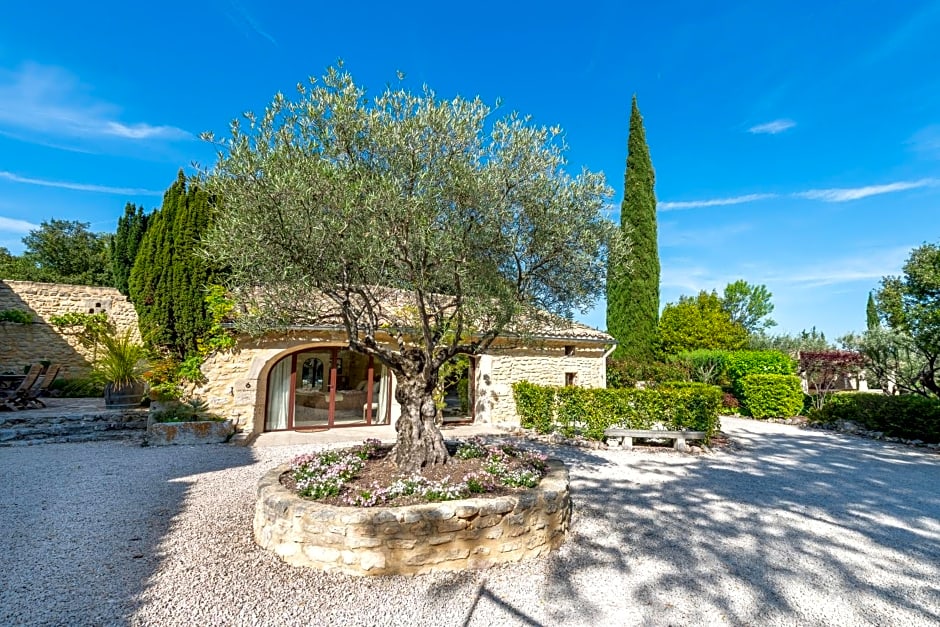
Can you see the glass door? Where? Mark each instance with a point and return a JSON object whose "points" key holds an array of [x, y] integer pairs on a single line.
{"points": [[313, 392]]}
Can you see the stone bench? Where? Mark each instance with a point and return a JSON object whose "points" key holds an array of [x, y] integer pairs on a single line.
{"points": [[624, 437]]}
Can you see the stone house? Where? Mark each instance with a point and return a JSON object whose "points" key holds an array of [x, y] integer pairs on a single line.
{"points": [[307, 378]]}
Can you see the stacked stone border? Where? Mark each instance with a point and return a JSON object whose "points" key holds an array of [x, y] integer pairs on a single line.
{"points": [[408, 540]]}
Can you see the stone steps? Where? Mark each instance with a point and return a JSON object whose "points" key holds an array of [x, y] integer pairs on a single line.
{"points": [[22, 428]]}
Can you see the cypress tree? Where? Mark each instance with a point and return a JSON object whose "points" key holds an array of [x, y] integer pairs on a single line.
{"points": [[130, 231], [871, 313], [633, 277], [168, 281]]}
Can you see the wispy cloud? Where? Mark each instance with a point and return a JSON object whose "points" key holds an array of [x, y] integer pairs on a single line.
{"points": [[872, 266], [926, 141], [670, 235], [81, 187], [42, 102], [16, 226], [245, 21], [772, 128], [714, 202], [845, 194], [690, 277], [835, 194]]}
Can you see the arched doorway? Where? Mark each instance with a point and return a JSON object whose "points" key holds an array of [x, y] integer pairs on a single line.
{"points": [[326, 387]]}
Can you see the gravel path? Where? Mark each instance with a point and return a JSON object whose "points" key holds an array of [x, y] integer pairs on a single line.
{"points": [[793, 527]]}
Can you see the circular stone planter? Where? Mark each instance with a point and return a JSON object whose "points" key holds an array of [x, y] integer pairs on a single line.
{"points": [[199, 432], [413, 539]]}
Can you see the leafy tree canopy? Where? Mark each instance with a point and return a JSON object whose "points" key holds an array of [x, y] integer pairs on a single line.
{"points": [[409, 218], [871, 314], [699, 322], [792, 344], [749, 305], [907, 351], [61, 251]]}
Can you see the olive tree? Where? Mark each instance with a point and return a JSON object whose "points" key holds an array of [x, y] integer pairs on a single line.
{"points": [[422, 227], [907, 350]]}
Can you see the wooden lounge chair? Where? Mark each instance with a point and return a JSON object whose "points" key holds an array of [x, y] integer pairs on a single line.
{"points": [[7, 401], [29, 399]]}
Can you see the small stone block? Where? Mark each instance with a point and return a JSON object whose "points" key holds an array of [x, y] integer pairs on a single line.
{"points": [[454, 524], [372, 560], [497, 506], [399, 543], [486, 521], [494, 533], [441, 539], [358, 542], [441, 512], [466, 511]]}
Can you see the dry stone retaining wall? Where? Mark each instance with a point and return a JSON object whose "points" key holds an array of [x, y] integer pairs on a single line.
{"points": [[23, 344], [448, 536]]}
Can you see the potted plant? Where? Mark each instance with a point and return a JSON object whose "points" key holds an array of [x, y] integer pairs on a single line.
{"points": [[120, 365], [187, 422]]}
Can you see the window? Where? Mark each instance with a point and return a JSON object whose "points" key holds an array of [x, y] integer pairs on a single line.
{"points": [[571, 379], [569, 351]]}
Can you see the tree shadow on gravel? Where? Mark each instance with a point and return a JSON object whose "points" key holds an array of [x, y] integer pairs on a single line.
{"points": [[755, 534], [84, 525]]}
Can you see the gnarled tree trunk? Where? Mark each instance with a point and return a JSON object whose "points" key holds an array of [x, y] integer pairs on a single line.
{"points": [[420, 442]]}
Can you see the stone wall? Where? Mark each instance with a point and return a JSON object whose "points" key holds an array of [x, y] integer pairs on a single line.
{"points": [[236, 386], [495, 374], [448, 536], [23, 344]]}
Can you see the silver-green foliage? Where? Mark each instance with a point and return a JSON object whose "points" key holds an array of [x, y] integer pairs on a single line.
{"points": [[339, 193], [906, 352], [404, 214]]}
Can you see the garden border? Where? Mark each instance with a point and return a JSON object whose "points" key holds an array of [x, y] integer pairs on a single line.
{"points": [[413, 539]]}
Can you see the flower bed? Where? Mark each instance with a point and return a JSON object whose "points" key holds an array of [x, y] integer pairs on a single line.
{"points": [[412, 536], [363, 476]]}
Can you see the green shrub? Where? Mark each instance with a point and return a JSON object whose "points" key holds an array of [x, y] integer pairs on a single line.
{"points": [[573, 410], [704, 366], [740, 364], [535, 405], [463, 393], [80, 387], [190, 410], [729, 404], [771, 395], [17, 316], [907, 416], [623, 373]]}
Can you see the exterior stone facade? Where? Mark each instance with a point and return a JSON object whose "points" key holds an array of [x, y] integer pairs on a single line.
{"points": [[23, 344], [236, 382], [572, 364], [236, 386], [448, 536]]}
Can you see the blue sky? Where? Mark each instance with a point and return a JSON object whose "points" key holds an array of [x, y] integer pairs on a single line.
{"points": [[796, 144]]}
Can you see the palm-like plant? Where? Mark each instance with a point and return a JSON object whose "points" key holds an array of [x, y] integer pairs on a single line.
{"points": [[122, 361]]}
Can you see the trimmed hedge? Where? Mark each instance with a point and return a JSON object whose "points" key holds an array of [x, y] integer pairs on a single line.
{"points": [[572, 410], [908, 416], [740, 364], [624, 373], [771, 395]]}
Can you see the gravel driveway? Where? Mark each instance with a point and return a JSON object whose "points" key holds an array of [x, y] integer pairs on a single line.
{"points": [[792, 527]]}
